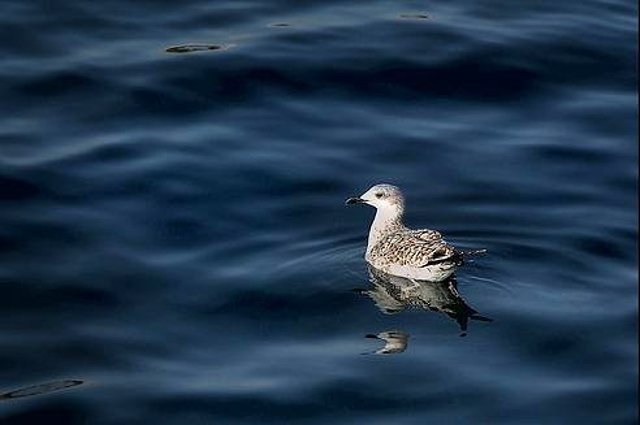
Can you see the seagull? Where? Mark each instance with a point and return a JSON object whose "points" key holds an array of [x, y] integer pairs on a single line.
{"points": [[396, 250]]}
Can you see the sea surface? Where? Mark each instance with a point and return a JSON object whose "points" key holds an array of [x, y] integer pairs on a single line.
{"points": [[175, 248]]}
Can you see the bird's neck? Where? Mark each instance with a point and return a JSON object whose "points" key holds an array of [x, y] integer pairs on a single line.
{"points": [[385, 221]]}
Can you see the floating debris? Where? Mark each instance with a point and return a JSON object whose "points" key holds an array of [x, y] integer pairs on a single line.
{"points": [[413, 16], [188, 48], [41, 389], [280, 25]]}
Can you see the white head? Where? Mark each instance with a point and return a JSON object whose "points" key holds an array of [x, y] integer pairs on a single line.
{"points": [[389, 203], [384, 197]]}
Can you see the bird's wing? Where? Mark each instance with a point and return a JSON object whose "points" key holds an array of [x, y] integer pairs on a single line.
{"points": [[432, 249], [427, 235]]}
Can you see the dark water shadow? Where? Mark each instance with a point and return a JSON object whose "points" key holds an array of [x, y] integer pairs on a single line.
{"points": [[418, 16], [40, 389], [189, 48]]}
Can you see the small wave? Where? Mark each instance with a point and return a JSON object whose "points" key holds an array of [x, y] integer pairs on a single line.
{"points": [[418, 16], [324, 254]]}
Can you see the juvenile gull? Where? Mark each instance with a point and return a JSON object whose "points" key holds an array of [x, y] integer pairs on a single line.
{"points": [[397, 250]]}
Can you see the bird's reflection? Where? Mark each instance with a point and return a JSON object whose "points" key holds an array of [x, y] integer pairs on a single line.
{"points": [[393, 294], [394, 342]]}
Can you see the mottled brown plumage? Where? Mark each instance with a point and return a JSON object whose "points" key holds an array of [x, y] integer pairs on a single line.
{"points": [[415, 248]]}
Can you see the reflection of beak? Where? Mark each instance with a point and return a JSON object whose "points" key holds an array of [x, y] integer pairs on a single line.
{"points": [[354, 200]]}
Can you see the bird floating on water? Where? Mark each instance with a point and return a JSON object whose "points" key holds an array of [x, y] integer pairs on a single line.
{"points": [[399, 251]]}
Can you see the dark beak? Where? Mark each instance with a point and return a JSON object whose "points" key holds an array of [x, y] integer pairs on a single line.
{"points": [[354, 200]]}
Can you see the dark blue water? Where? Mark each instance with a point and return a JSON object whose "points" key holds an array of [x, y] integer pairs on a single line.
{"points": [[173, 231]]}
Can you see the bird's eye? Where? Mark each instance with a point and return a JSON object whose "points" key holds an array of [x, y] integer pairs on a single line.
{"points": [[379, 195]]}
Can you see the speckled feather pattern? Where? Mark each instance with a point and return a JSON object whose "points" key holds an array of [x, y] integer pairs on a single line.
{"points": [[414, 248]]}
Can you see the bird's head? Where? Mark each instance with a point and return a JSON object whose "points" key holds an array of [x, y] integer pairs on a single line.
{"points": [[381, 196]]}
